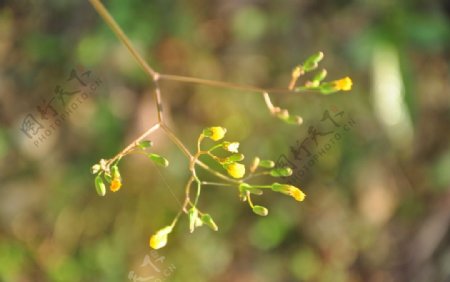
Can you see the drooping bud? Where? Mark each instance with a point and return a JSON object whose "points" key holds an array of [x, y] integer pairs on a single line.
{"points": [[260, 210]]}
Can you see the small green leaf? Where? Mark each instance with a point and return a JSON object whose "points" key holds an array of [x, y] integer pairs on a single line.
{"points": [[193, 218], [281, 172], [207, 219], [159, 160], [267, 163], [100, 186], [145, 144], [260, 210]]}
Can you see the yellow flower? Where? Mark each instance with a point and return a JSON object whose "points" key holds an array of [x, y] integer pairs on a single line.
{"points": [[159, 239], [296, 193], [115, 184], [216, 133], [236, 170], [344, 84], [289, 190]]}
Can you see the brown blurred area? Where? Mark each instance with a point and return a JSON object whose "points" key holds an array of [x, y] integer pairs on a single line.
{"points": [[378, 186]]}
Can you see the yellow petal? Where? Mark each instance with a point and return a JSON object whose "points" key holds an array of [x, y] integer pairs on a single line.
{"points": [[236, 170], [344, 84], [217, 133], [115, 185], [158, 241], [297, 194]]}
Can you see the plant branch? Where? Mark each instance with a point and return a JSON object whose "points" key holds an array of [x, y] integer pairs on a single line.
{"points": [[135, 143], [122, 37]]}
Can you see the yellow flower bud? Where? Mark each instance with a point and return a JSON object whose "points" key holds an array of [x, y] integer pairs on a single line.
{"points": [[344, 84], [115, 185], [296, 193], [215, 133], [289, 190], [236, 170], [159, 239]]}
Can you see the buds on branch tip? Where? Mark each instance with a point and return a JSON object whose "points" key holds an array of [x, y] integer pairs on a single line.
{"points": [[215, 133]]}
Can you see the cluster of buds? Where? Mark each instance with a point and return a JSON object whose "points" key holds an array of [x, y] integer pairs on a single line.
{"points": [[246, 190], [230, 163], [105, 171], [317, 83], [239, 179], [108, 170]]}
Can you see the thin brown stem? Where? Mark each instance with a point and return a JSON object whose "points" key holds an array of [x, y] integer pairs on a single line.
{"points": [[103, 12], [135, 143], [214, 83], [158, 100], [223, 84], [216, 184], [269, 104], [176, 141]]}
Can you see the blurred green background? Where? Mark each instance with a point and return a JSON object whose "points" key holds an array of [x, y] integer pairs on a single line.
{"points": [[378, 204]]}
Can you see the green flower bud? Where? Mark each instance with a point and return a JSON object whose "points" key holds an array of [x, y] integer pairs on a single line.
{"points": [[207, 219], [312, 62], [100, 186], [115, 172], [193, 218], [320, 76], [260, 210], [145, 144], [267, 163], [161, 161], [233, 158], [281, 172]]}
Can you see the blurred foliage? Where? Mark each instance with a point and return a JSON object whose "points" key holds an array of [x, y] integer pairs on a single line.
{"points": [[377, 206]]}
